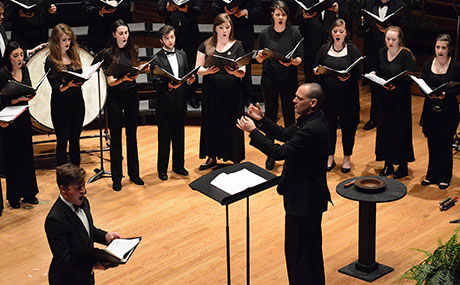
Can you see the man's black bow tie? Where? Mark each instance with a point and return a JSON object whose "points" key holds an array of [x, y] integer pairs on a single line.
{"points": [[383, 5], [76, 207], [169, 52]]}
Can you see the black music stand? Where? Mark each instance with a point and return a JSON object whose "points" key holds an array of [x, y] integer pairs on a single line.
{"points": [[203, 185], [100, 172]]}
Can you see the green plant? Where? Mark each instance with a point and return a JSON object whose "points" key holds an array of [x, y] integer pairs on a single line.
{"points": [[440, 267]]}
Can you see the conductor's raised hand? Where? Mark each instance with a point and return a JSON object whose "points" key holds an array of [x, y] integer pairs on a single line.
{"points": [[245, 124], [255, 112], [307, 15]]}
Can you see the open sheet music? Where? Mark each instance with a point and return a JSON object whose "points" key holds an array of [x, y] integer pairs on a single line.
{"points": [[237, 181], [16, 89], [221, 61], [10, 113], [163, 73], [118, 251], [322, 69], [178, 2], [66, 76], [386, 21], [276, 56], [318, 7], [118, 70], [384, 82], [30, 6], [111, 4], [427, 89], [230, 4]]}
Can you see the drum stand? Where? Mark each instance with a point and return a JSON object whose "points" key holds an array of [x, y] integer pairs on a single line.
{"points": [[100, 172]]}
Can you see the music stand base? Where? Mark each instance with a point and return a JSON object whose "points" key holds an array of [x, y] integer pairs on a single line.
{"points": [[369, 277], [100, 173]]}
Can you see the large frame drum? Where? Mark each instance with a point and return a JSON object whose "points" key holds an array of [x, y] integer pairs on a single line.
{"points": [[40, 107]]}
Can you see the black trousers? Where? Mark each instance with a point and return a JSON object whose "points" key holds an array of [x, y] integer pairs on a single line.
{"points": [[303, 250], [170, 129], [123, 105], [286, 92], [308, 65], [440, 161], [67, 115]]}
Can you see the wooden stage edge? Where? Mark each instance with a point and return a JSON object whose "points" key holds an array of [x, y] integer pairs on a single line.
{"points": [[184, 232]]}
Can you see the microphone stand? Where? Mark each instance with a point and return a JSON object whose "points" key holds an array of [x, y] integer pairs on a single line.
{"points": [[100, 172]]}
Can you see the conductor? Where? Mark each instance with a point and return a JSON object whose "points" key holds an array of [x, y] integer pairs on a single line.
{"points": [[303, 180], [70, 231]]}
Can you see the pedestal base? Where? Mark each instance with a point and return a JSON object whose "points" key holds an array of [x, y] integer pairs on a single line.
{"points": [[369, 277]]}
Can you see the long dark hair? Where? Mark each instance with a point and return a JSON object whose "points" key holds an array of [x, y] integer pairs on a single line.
{"points": [[10, 47], [113, 47]]}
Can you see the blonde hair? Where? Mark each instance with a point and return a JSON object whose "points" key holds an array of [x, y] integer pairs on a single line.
{"points": [[55, 48], [398, 30], [211, 42]]}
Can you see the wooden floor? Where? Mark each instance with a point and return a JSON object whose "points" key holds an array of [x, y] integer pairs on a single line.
{"points": [[184, 232]]}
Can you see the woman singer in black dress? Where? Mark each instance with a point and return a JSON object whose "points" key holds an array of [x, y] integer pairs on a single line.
{"points": [[279, 79], [122, 101], [222, 98], [67, 104], [394, 116], [18, 151], [341, 92], [440, 114]]}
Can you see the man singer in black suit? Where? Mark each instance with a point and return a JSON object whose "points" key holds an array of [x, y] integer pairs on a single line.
{"points": [[70, 231], [171, 104], [303, 180]]}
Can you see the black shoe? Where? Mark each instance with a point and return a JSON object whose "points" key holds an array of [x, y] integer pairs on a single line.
{"points": [[329, 168], [181, 171], [443, 186], [15, 205], [163, 176], [136, 180], [195, 103], [369, 125], [345, 170], [208, 165], [32, 200], [387, 170], [426, 182], [269, 163], [401, 172], [116, 186]]}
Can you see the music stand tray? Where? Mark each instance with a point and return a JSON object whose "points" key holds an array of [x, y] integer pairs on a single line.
{"points": [[204, 186]]}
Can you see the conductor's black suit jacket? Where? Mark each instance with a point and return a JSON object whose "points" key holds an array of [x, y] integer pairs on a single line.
{"points": [[70, 244], [303, 180]]}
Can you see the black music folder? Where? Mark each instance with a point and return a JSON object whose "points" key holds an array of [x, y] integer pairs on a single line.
{"points": [[163, 73], [427, 89], [16, 89], [322, 69], [221, 61], [318, 7], [117, 252], [66, 76], [276, 56], [384, 82], [30, 6], [118, 70], [205, 183], [386, 21]]}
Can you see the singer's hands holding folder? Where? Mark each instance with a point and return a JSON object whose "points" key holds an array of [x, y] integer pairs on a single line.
{"points": [[232, 11], [294, 61], [334, 8], [344, 78], [307, 15]]}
